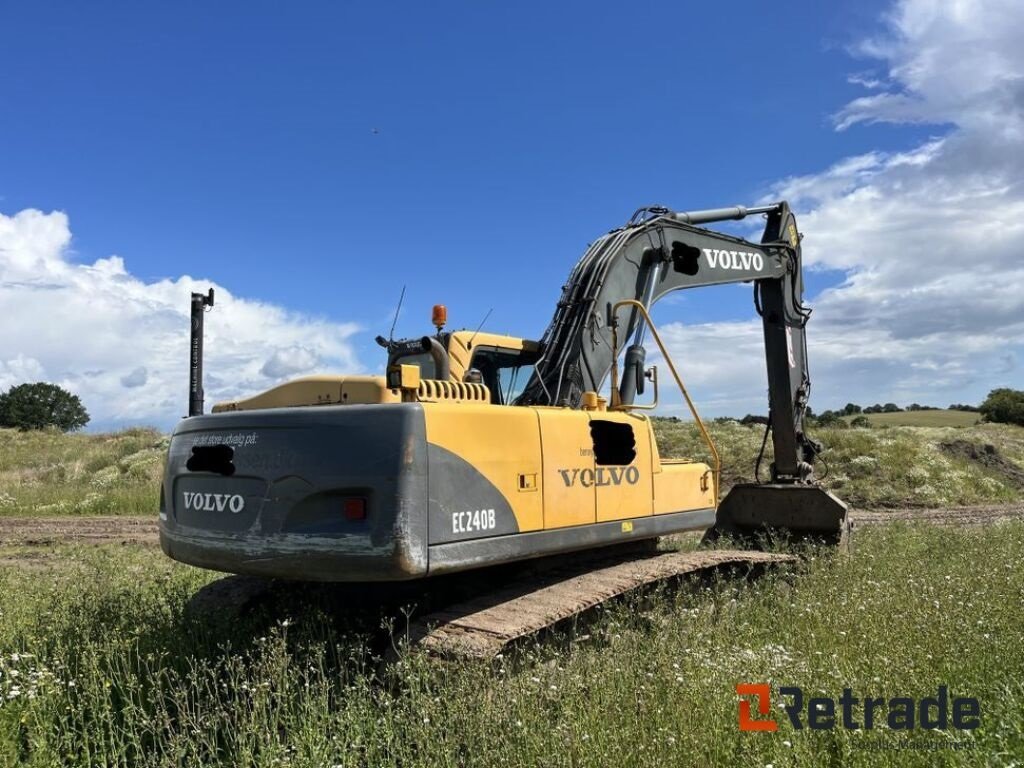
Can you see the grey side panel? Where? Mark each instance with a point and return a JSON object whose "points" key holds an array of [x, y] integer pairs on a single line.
{"points": [[460, 556], [277, 508], [463, 504]]}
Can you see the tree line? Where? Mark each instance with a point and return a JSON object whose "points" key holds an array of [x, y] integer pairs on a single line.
{"points": [[1003, 405], [41, 405]]}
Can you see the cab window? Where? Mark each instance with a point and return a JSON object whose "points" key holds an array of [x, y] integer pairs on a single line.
{"points": [[504, 371]]}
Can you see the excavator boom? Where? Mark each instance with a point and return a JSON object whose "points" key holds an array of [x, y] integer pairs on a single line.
{"points": [[660, 251]]}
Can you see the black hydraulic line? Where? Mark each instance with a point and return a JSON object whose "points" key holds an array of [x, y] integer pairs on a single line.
{"points": [[760, 454]]}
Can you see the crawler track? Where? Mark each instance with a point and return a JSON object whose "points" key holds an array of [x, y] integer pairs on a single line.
{"points": [[483, 626]]}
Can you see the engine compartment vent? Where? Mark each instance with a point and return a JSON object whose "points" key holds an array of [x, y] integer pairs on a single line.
{"points": [[435, 390]]}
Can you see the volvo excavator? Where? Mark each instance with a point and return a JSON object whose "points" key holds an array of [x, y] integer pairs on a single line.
{"points": [[474, 448]]}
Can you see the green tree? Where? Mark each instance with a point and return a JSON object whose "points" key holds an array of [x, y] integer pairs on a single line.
{"points": [[1004, 405], [41, 405], [860, 421], [851, 409], [829, 419]]}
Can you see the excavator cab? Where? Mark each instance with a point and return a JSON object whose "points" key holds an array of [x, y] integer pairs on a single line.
{"points": [[503, 370], [504, 364]]}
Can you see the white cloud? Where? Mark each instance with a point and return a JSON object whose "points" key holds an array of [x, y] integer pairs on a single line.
{"points": [[121, 343], [931, 240], [949, 62]]}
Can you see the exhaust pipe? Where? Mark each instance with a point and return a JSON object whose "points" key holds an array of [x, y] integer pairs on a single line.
{"points": [[200, 301], [438, 353]]}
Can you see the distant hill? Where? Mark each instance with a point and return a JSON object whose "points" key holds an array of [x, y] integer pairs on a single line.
{"points": [[942, 418]]}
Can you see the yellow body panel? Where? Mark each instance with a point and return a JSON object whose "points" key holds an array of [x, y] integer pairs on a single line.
{"points": [[502, 444], [317, 390], [679, 487], [542, 461], [568, 458], [625, 499]]}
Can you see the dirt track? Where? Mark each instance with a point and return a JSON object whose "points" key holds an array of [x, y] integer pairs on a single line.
{"points": [[46, 531]]}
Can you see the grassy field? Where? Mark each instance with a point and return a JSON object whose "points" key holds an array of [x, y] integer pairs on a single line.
{"points": [[940, 418], [101, 665], [47, 473], [873, 468]]}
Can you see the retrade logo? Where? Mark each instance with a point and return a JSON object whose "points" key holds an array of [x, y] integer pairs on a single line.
{"points": [[762, 694], [823, 713]]}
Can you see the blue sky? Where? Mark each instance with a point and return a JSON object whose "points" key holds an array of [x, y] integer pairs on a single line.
{"points": [[317, 158]]}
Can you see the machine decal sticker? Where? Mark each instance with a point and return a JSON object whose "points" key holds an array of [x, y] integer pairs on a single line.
{"points": [[234, 439], [473, 520], [214, 502], [739, 260], [601, 476]]}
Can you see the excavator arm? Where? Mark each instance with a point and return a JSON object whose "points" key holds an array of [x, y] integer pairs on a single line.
{"points": [[659, 251]]}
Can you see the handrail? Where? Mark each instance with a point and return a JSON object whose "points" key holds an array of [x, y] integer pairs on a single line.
{"points": [[652, 405], [616, 404]]}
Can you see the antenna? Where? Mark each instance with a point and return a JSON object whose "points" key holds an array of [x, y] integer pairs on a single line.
{"points": [[391, 333], [470, 344]]}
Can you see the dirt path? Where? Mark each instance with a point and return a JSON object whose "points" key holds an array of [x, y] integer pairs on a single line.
{"points": [[46, 531]]}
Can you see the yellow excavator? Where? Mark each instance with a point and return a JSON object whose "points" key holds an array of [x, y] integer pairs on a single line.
{"points": [[474, 448]]}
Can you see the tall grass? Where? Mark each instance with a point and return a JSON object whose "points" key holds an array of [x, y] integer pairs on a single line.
{"points": [[50, 473], [869, 468], [101, 665]]}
